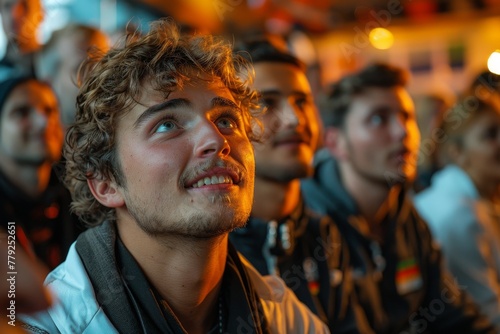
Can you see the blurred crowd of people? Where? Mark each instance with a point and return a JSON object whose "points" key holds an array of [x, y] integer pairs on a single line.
{"points": [[358, 209]]}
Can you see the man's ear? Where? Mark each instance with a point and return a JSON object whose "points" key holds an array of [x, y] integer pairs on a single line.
{"points": [[106, 192], [335, 142]]}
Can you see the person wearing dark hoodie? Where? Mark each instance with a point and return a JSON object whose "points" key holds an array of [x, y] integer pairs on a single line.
{"points": [[396, 282], [282, 237]]}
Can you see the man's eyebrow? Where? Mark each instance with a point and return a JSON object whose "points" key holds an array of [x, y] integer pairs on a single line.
{"points": [[269, 92], [223, 102], [169, 104]]}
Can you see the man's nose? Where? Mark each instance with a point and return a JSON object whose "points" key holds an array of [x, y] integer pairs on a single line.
{"points": [[210, 141], [399, 127], [289, 115], [39, 118]]}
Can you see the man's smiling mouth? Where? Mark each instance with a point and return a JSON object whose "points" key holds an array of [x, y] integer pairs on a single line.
{"points": [[215, 179]]}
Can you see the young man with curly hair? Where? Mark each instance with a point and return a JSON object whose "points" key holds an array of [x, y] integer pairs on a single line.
{"points": [[160, 161]]}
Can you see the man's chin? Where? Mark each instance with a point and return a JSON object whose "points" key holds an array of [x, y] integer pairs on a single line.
{"points": [[209, 224]]}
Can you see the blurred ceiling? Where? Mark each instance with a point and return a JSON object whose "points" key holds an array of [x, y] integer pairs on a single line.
{"points": [[315, 16]]}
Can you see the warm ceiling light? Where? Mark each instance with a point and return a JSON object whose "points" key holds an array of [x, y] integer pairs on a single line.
{"points": [[494, 62], [381, 38]]}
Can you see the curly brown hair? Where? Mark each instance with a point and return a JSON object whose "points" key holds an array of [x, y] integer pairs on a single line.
{"points": [[111, 86]]}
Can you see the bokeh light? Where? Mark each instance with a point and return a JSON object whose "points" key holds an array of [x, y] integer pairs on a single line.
{"points": [[494, 62], [381, 38]]}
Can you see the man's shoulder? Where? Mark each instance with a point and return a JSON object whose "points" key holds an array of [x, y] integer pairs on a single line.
{"points": [[53, 321], [75, 308], [269, 288], [285, 313]]}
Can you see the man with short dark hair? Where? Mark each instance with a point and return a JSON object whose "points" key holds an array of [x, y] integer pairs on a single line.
{"points": [[160, 162], [283, 237], [396, 283]]}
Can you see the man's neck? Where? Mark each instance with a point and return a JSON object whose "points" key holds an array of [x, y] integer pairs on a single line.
{"points": [[274, 200], [373, 199], [30, 179], [186, 272]]}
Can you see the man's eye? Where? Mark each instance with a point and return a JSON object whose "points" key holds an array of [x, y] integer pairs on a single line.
{"points": [[269, 104], [22, 112], [226, 123], [50, 110], [301, 102], [491, 133], [405, 115], [166, 126], [378, 119]]}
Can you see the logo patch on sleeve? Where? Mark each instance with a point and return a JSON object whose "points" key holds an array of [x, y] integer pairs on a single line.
{"points": [[408, 277]]}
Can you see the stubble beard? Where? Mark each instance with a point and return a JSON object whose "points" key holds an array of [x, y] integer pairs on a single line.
{"points": [[387, 180], [203, 224]]}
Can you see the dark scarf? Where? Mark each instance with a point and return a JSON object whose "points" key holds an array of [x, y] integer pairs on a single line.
{"points": [[134, 306]]}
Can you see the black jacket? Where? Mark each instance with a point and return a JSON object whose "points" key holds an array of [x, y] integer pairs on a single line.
{"points": [[398, 286], [303, 248], [43, 225]]}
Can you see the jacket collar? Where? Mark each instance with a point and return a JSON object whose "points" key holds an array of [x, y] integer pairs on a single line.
{"points": [[113, 275]]}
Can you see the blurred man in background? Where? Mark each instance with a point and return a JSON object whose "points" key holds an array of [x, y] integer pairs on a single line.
{"points": [[282, 236], [59, 60], [31, 194], [396, 279]]}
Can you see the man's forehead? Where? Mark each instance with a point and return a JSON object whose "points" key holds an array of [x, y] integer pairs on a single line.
{"points": [[153, 98], [383, 95], [158, 92], [38, 96], [378, 99]]}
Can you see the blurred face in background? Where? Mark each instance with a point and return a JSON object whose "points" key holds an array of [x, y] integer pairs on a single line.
{"points": [[291, 123], [72, 51], [20, 21], [479, 151], [380, 139], [30, 130], [430, 112]]}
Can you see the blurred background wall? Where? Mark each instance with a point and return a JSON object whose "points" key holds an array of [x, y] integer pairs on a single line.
{"points": [[443, 43]]}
